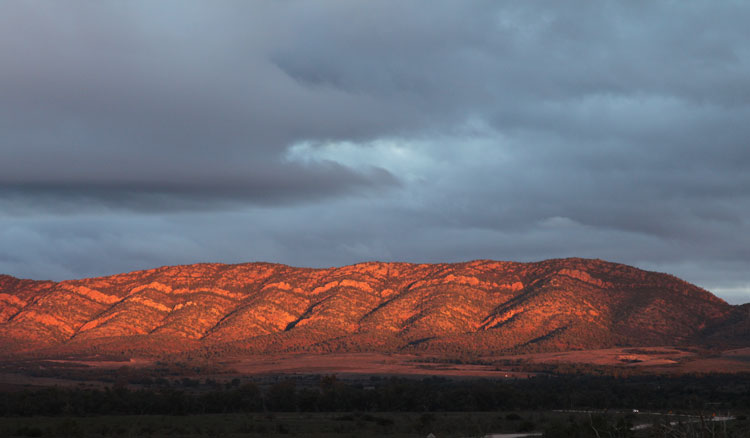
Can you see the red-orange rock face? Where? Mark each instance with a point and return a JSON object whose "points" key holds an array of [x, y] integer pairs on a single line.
{"points": [[481, 306]]}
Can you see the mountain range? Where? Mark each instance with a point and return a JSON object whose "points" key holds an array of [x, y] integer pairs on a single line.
{"points": [[479, 307]]}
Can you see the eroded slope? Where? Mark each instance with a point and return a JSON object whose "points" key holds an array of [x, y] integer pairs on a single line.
{"points": [[480, 306]]}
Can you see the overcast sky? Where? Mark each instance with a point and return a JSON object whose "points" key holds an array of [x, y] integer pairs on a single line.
{"points": [[145, 133]]}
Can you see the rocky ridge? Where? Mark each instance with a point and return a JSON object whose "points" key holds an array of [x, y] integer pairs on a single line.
{"points": [[481, 307]]}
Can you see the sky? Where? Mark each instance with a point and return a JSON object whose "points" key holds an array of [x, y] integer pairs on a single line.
{"points": [[323, 133]]}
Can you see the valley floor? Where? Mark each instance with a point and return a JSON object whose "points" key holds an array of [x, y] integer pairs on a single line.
{"points": [[667, 360]]}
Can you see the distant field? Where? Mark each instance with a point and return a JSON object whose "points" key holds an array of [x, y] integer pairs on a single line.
{"points": [[665, 360], [656, 360], [366, 363]]}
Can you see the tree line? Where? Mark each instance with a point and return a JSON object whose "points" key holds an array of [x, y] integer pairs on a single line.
{"points": [[434, 394]]}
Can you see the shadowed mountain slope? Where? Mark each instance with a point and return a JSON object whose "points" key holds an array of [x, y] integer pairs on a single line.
{"points": [[481, 306]]}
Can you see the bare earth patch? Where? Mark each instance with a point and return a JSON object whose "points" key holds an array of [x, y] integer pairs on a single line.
{"points": [[641, 357], [363, 363], [656, 360]]}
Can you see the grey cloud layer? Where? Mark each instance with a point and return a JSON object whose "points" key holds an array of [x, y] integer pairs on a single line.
{"points": [[519, 131]]}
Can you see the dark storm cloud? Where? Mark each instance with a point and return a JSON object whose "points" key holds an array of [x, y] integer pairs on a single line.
{"points": [[334, 132], [145, 104], [193, 189]]}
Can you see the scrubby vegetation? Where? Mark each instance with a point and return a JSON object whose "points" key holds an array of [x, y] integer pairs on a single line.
{"points": [[560, 406], [376, 394]]}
